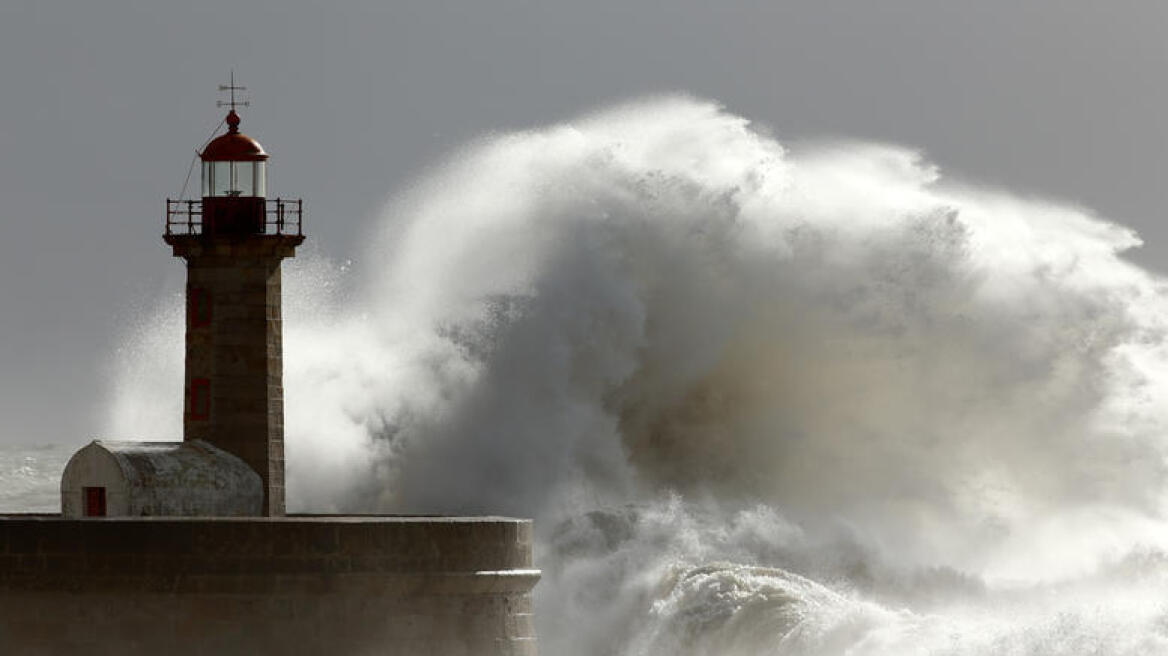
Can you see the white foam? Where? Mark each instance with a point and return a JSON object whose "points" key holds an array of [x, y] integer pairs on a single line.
{"points": [[912, 407]]}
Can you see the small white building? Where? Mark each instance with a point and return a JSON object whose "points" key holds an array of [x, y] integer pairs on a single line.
{"points": [[134, 479]]}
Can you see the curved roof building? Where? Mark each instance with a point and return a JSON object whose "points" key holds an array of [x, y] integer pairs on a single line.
{"points": [[133, 479]]}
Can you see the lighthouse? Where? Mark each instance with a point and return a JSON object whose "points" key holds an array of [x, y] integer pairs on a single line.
{"points": [[183, 547], [233, 241]]}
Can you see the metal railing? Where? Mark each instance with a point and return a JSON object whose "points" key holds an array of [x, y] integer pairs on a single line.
{"points": [[281, 217]]}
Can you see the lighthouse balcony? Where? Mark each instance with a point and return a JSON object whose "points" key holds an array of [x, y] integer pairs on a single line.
{"points": [[234, 216]]}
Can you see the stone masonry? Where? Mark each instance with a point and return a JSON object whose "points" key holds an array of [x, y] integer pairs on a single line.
{"points": [[298, 585], [234, 386]]}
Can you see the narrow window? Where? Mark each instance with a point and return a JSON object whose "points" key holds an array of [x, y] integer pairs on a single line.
{"points": [[94, 501], [208, 179], [200, 398], [198, 307]]}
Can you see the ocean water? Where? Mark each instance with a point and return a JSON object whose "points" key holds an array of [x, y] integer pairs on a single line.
{"points": [[759, 398], [30, 477]]}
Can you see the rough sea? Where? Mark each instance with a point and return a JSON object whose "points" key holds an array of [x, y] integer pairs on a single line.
{"points": [[760, 398]]}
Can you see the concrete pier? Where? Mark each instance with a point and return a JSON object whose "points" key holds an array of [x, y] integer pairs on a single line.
{"points": [[442, 586]]}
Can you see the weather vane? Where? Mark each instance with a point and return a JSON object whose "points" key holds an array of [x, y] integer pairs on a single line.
{"points": [[232, 89]]}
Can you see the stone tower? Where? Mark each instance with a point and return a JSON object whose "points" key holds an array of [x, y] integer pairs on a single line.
{"points": [[183, 548], [233, 241]]}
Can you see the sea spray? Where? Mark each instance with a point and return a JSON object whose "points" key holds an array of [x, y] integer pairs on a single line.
{"points": [[758, 400]]}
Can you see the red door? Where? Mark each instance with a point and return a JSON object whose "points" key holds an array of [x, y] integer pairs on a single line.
{"points": [[94, 501]]}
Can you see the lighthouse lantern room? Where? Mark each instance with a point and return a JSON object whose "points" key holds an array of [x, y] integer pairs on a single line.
{"points": [[234, 182]]}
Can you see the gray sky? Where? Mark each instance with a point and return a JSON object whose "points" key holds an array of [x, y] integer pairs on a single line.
{"points": [[103, 103]]}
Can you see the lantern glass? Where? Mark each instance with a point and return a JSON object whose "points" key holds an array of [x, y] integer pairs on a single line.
{"points": [[235, 179]]}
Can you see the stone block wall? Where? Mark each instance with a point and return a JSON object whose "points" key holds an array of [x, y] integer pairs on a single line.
{"points": [[234, 390], [295, 585]]}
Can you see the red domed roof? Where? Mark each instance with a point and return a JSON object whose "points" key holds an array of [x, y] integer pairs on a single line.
{"points": [[233, 146]]}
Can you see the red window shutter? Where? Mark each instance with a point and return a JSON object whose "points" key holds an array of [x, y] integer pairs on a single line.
{"points": [[200, 407], [198, 307], [94, 501]]}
